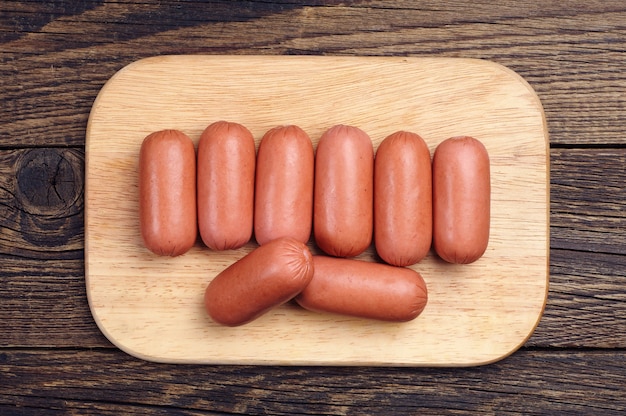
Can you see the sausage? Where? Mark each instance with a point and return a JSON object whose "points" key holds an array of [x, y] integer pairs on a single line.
{"points": [[267, 277], [226, 163], [461, 199], [283, 204], [402, 199], [343, 191], [364, 289], [167, 193]]}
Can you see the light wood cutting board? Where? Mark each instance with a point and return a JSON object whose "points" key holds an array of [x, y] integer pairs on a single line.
{"points": [[151, 307]]}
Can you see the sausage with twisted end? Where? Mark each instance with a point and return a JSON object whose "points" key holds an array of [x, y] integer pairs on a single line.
{"points": [[267, 277]]}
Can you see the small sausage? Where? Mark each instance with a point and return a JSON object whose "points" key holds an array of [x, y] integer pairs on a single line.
{"points": [[403, 225], [343, 191], [283, 204], [461, 199], [167, 193], [226, 163], [364, 289], [267, 277]]}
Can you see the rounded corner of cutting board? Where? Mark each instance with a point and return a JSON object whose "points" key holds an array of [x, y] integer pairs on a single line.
{"points": [[115, 340], [102, 326], [518, 78], [507, 353], [118, 77]]}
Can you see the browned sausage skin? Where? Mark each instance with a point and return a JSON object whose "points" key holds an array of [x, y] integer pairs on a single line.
{"points": [[167, 192], [343, 191], [284, 185], [402, 199], [267, 277], [226, 165], [363, 289], [461, 199]]}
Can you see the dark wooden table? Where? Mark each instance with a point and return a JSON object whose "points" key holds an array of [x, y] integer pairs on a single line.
{"points": [[55, 57]]}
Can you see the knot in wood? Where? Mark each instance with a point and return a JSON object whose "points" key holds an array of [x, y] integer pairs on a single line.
{"points": [[50, 182]]}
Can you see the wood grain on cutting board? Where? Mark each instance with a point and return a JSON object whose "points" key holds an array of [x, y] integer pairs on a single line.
{"points": [[151, 307]]}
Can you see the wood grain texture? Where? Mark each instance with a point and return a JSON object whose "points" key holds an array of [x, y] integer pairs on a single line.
{"points": [[559, 382], [587, 189], [571, 54], [43, 303], [41, 195], [56, 56]]}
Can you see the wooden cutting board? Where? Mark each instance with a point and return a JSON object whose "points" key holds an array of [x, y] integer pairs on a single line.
{"points": [[151, 307]]}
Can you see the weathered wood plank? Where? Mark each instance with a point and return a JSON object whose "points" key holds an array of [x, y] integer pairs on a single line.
{"points": [[41, 203], [41, 195], [586, 302], [57, 61], [42, 287], [559, 382], [588, 200], [44, 304]]}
